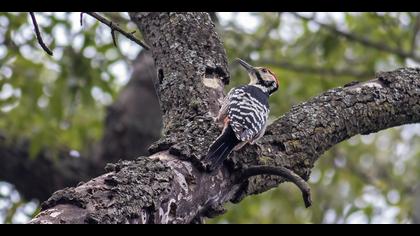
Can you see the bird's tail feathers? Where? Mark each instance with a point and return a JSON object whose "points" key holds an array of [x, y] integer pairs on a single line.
{"points": [[220, 149]]}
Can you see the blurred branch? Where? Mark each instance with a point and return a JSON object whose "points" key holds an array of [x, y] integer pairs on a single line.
{"points": [[128, 132], [377, 175], [318, 70], [304, 68], [39, 36], [266, 35], [37, 178], [362, 40], [115, 27], [416, 30], [389, 27]]}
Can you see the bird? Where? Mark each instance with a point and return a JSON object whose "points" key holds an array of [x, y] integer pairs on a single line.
{"points": [[243, 114]]}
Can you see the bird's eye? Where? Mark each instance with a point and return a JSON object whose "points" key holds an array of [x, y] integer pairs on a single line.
{"points": [[264, 70]]}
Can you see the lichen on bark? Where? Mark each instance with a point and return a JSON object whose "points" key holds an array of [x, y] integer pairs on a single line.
{"points": [[188, 54], [298, 138], [131, 189]]}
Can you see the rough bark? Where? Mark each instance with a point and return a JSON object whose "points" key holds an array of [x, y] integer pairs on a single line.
{"points": [[169, 186], [128, 132], [192, 69], [298, 138]]}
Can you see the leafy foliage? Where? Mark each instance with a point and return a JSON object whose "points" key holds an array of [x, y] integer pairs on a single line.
{"points": [[56, 101]]}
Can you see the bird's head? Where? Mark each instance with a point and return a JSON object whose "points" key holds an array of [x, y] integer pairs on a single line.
{"points": [[261, 77]]}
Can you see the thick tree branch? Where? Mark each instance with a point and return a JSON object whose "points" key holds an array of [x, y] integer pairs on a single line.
{"points": [[167, 187], [362, 40], [297, 139]]}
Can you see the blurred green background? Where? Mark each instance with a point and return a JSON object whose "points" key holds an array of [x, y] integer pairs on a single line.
{"points": [[61, 101]]}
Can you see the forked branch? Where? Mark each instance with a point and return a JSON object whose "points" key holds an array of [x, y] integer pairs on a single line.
{"points": [[115, 27]]}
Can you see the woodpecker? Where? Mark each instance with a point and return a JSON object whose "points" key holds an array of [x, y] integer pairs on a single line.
{"points": [[244, 114]]}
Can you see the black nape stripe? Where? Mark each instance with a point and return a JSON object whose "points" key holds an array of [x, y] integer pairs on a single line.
{"points": [[259, 76]]}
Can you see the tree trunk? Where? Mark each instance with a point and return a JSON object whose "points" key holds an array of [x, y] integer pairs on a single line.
{"points": [[169, 186], [128, 133]]}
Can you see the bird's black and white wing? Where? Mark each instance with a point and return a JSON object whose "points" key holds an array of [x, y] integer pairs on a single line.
{"points": [[223, 112], [248, 112]]}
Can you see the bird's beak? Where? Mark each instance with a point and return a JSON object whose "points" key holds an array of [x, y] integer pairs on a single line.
{"points": [[247, 66]]}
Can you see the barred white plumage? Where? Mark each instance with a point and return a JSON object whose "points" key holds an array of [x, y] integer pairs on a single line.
{"points": [[247, 111], [244, 114]]}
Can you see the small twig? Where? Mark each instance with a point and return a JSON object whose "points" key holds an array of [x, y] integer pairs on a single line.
{"points": [[283, 172], [115, 27], [81, 18], [113, 35], [416, 29], [38, 35]]}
